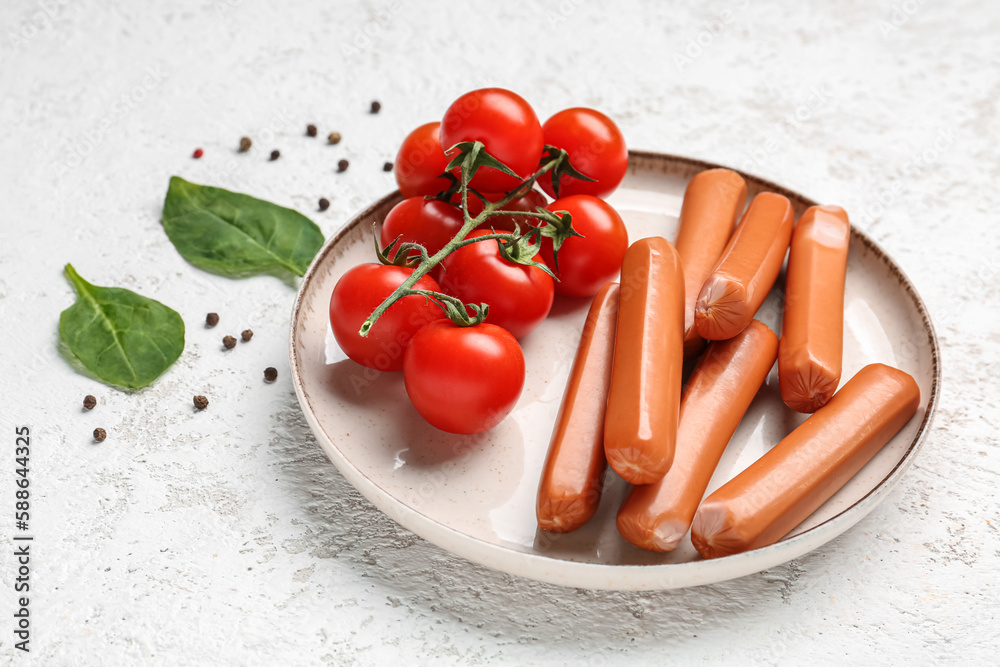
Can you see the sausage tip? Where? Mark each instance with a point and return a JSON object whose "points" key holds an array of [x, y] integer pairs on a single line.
{"points": [[635, 466], [713, 534], [719, 313], [564, 514], [663, 536]]}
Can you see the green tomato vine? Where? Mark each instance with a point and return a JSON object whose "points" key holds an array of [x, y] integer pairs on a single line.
{"points": [[517, 247]]}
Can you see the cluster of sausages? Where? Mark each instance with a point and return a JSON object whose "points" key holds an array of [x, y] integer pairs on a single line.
{"points": [[624, 405]]}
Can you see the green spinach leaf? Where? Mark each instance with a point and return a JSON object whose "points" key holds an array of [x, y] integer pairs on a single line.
{"points": [[123, 338], [236, 235]]}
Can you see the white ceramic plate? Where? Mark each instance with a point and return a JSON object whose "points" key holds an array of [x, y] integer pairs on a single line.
{"points": [[475, 495]]}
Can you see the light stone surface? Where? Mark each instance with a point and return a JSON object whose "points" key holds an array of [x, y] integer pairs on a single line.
{"points": [[226, 537]]}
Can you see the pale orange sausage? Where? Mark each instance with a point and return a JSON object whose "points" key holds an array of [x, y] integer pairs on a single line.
{"points": [[573, 477], [713, 201], [644, 400], [812, 332], [749, 266], [782, 488], [721, 387]]}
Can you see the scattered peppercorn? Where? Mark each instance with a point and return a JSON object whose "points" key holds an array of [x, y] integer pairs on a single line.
{"points": [[343, 165], [324, 203], [376, 106], [212, 319], [198, 153], [200, 402], [245, 144], [311, 130], [275, 154], [100, 434], [89, 402], [333, 138], [246, 335], [229, 342], [387, 166], [270, 373]]}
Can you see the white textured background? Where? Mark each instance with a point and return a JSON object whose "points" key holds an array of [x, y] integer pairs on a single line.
{"points": [[226, 537]]}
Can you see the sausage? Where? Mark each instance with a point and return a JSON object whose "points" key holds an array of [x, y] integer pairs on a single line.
{"points": [[713, 201], [721, 387], [749, 266], [812, 333], [645, 394], [573, 477], [777, 492]]}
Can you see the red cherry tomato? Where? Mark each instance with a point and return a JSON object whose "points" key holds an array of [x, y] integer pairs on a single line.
{"points": [[420, 162], [463, 379], [508, 128], [358, 293], [596, 149], [506, 223], [585, 264], [519, 296], [429, 222]]}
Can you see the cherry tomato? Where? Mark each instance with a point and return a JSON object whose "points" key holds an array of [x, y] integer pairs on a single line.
{"points": [[508, 128], [420, 162], [519, 296], [463, 379], [358, 293], [596, 149], [506, 223], [429, 222], [585, 264]]}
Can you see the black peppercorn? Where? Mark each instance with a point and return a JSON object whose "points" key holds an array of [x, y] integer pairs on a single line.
{"points": [[229, 342], [212, 319], [387, 166], [246, 335], [324, 203], [376, 106], [89, 402], [311, 130], [343, 165], [200, 402], [270, 373], [100, 434], [275, 154], [245, 144]]}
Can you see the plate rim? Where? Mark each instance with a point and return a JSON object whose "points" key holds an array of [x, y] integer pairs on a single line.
{"points": [[521, 562]]}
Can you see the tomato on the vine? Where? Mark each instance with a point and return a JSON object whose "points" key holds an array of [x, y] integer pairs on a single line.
{"points": [[429, 222], [596, 149], [519, 296], [358, 293], [463, 379], [586, 263], [508, 128], [421, 161]]}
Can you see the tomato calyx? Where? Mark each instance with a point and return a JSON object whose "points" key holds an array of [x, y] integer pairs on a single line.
{"points": [[406, 254], [456, 310], [561, 167]]}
